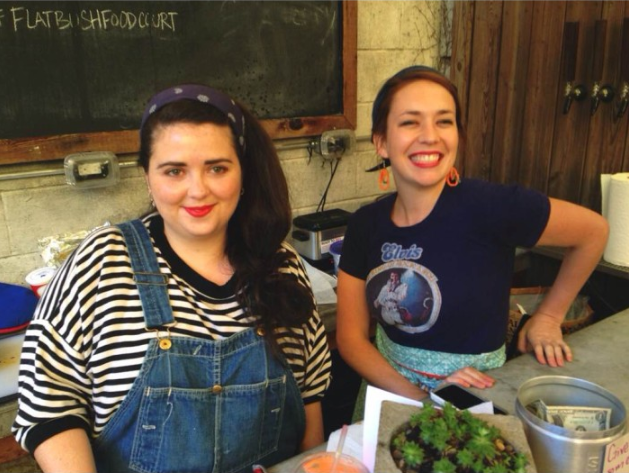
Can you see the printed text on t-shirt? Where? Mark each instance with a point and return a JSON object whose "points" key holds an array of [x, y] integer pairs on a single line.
{"points": [[393, 251]]}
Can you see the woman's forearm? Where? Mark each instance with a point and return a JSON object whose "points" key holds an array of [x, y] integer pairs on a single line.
{"points": [[369, 363], [352, 337], [67, 452], [576, 267], [584, 234], [314, 427]]}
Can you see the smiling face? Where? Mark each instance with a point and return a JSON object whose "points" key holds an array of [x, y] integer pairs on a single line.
{"points": [[194, 176], [422, 136]]}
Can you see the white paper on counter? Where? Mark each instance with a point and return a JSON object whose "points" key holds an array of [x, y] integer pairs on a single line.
{"points": [[373, 403], [322, 284], [616, 454], [353, 441]]}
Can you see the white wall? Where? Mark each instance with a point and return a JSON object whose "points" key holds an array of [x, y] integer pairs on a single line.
{"points": [[391, 35]]}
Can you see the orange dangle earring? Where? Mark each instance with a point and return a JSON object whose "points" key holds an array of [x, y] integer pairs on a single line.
{"points": [[383, 179], [453, 178]]}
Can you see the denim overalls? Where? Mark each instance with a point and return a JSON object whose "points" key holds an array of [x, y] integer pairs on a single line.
{"points": [[198, 405]]}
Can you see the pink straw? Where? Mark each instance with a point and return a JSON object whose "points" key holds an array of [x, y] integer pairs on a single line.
{"points": [[339, 448]]}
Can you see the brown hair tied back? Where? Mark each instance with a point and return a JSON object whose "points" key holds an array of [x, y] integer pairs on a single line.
{"points": [[382, 102]]}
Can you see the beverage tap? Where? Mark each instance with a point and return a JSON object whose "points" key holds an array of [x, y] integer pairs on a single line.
{"points": [[600, 93], [572, 92], [624, 100], [603, 94]]}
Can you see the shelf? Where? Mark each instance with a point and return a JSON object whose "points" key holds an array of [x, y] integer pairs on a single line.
{"points": [[603, 266]]}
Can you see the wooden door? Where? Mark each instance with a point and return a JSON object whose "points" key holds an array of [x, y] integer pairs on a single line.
{"points": [[509, 62]]}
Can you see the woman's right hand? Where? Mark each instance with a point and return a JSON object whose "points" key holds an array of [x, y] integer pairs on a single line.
{"points": [[471, 377]]}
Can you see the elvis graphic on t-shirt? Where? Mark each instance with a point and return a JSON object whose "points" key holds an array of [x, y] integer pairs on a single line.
{"points": [[404, 294]]}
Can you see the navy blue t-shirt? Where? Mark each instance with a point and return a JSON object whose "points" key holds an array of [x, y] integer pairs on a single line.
{"points": [[443, 284]]}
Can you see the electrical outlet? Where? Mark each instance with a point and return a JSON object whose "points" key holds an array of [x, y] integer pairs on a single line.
{"points": [[93, 169], [335, 143]]}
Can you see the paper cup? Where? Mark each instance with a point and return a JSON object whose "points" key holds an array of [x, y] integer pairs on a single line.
{"points": [[38, 279]]}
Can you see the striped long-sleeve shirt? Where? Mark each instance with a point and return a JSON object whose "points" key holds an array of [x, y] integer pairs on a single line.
{"points": [[87, 341]]}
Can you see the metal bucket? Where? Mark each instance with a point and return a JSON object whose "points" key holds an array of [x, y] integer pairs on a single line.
{"points": [[559, 450]]}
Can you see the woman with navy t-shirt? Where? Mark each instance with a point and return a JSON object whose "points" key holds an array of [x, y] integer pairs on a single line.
{"points": [[450, 242]]}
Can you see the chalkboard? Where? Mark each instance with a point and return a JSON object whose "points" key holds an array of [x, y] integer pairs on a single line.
{"points": [[76, 75]]}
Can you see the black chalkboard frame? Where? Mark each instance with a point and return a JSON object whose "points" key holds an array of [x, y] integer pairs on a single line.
{"points": [[47, 148]]}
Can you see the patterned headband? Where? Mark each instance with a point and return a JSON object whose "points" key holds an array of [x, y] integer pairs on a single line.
{"points": [[203, 94]]}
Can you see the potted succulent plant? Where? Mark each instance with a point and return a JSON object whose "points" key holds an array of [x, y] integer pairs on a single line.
{"points": [[431, 440]]}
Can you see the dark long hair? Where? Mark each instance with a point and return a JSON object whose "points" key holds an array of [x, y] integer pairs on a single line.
{"points": [[260, 223], [382, 103]]}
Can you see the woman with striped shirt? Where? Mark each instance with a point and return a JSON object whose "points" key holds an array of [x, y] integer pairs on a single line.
{"points": [[187, 340]]}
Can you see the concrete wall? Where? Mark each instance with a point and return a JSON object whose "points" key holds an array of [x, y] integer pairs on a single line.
{"points": [[391, 35]]}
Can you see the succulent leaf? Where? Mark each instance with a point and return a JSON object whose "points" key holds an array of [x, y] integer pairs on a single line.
{"points": [[413, 453], [443, 466]]}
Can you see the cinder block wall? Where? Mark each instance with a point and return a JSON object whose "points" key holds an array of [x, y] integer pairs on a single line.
{"points": [[391, 35]]}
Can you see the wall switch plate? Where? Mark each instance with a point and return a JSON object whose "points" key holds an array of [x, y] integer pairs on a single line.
{"points": [[92, 169]]}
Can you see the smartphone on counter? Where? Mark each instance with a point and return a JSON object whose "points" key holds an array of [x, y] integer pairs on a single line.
{"points": [[460, 398]]}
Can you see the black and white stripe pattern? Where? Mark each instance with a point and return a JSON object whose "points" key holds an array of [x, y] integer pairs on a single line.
{"points": [[86, 343]]}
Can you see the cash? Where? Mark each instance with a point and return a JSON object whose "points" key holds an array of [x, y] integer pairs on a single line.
{"points": [[583, 418]]}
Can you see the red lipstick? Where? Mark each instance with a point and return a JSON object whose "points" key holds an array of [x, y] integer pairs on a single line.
{"points": [[200, 211]]}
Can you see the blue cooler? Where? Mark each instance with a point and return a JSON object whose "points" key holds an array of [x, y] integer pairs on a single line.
{"points": [[17, 306]]}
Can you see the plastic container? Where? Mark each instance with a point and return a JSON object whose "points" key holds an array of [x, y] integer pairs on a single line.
{"points": [[323, 462], [335, 250], [561, 450], [17, 306]]}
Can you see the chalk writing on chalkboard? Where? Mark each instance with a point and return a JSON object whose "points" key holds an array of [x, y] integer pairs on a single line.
{"points": [[87, 19], [71, 67]]}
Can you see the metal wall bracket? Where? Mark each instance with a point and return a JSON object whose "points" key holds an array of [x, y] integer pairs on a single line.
{"points": [[332, 144], [90, 170]]}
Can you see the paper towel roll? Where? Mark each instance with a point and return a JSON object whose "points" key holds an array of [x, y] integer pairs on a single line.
{"points": [[615, 208]]}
